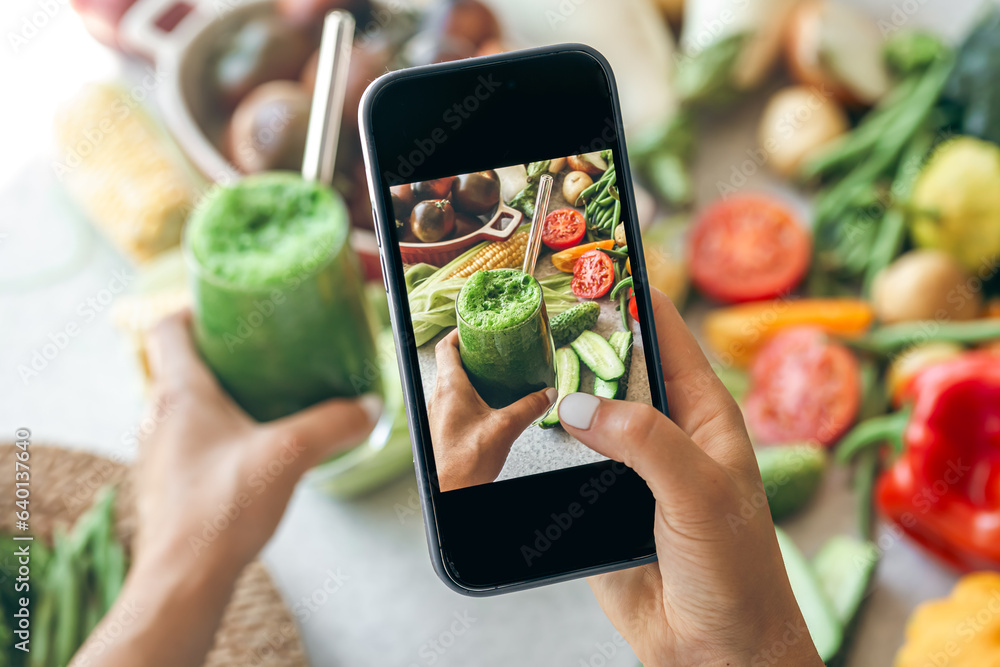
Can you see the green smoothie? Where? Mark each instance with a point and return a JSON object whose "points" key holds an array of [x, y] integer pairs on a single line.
{"points": [[503, 335], [280, 315]]}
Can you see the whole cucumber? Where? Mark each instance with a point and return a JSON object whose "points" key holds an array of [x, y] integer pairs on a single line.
{"points": [[791, 476]]}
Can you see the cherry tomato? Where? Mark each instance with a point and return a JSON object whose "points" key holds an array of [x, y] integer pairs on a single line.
{"points": [[563, 228], [803, 388], [633, 309], [748, 248], [593, 275]]}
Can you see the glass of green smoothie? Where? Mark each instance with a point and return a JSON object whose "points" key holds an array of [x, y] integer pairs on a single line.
{"points": [[279, 308], [503, 335]]}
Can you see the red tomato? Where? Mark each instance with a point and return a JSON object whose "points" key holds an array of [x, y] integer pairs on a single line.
{"points": [[593, 275], [563, 228], [803, 388], [748, 248], [633, 309]]}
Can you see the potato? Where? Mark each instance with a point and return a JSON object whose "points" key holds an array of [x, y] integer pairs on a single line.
{"points": [[925, 285], [575, 183], [797, 121]]}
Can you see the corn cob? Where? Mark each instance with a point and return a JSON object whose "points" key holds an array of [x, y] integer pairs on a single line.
{"points": [[507, 254], [122, 172]]}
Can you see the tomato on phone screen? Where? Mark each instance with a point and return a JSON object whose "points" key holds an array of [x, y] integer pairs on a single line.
{"points": [[748, 248], [803, 387], [593, 275], [563, 228]]}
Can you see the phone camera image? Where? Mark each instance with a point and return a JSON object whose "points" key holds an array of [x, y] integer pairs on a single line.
{"points": [[500, 340]]}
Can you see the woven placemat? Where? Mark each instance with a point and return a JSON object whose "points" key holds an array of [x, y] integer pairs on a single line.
{"points": [[257, 628]]}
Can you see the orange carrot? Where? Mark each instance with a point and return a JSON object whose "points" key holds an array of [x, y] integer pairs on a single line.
{"points": [[735, 333]]}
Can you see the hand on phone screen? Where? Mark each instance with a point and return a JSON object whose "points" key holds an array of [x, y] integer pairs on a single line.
{"points": [[472, 439], [719, 593]]}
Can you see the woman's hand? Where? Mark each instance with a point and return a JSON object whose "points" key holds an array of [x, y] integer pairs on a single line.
{"points": [[211, 486], [470, 439], [719, 593]]}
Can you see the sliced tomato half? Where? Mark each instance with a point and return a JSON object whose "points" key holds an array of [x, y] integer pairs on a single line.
{"points": [[803, 388], [593, 275], [748, 248], [563, 228]]}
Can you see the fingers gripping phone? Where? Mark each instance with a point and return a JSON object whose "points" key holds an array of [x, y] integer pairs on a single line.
{"points": [[455, 155]]}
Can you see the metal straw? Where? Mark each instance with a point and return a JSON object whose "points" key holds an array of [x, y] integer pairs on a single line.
{"points": [[328, 97], [537, 222]]}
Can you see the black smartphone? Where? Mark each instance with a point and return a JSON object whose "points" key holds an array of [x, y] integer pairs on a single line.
{"points": [[455, 153]]}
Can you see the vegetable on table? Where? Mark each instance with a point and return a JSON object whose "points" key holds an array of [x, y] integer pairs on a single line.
{"points": [[598, 355], [666, 266], [956, 203], [524, 200], [837, 47], [895, 337], [825, 629], [925, 285], [844, 567], [563, 228], [944, 487], [591, 164], [118, 167], [720, 59], [908, 364], [567, 381], [662, 154], [565, 260], [971, 90], [736, 333], [602, 207], [507, 254], [791, 475], [797, 122], [621, 343], [593, 275], [747, 248], [960, 630], [567, 326], [803, 388], [574, 184]]}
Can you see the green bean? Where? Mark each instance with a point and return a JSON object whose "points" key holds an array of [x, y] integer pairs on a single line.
{"points": [[616, 216], [864, 484], [894, 337]]}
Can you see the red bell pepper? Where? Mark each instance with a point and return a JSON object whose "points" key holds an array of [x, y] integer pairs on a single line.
{"points": [[943, 490]]}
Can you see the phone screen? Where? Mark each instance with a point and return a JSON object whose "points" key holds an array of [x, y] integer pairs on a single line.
{"points": [[455, 154], [489, 335]]}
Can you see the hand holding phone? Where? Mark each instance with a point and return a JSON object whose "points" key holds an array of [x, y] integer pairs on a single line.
{"points": [[719, 593]]}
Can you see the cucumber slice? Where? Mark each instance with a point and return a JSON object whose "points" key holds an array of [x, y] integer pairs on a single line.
{"points": [[621, 343], [599, 356], [844, 567], [791, 476], [825, 628], [567, 381]]}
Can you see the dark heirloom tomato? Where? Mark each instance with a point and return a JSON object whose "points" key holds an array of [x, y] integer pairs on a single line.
{"points": [[564, 228], [402, 201], [439, 188], [477, 193], [803, 387], [748, 248], [593, 275], [432, 220]]}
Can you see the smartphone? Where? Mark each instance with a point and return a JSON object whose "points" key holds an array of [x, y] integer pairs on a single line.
{"points": [[453, 154]]}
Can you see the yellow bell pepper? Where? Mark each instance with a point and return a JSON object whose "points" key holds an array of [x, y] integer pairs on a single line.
{"points": [[962, 630]]}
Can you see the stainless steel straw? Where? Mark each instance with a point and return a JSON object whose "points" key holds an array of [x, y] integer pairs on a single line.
{"points": [[328, 98], [537, 222]]}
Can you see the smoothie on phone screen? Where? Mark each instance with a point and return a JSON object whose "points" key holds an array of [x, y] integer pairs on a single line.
{"points": [[280, 316], [504, 337]]}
